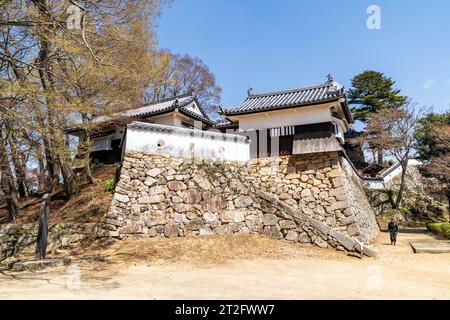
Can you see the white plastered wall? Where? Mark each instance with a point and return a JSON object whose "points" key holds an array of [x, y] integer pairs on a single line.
{"points": [[288, 117], [200, 145]]}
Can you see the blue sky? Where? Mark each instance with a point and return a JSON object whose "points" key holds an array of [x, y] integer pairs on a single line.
{"points": [[276, 45]]}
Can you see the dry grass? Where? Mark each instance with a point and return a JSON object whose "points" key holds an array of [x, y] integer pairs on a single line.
{"points": [[89, 205], [199, 251]]}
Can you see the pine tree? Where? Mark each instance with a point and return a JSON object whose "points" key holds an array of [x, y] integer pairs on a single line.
{"points": [[371, 92]]}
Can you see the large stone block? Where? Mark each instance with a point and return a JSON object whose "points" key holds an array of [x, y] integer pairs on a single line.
{"points": [[192, 196], [338, 205], [195, 224], [171, 230], [144, 200], [337, 191], [121, 198], [353, 230], [238, 186], [176, 185], [136, 209], [222, 229], [205, 231], [270, 219], [131, 229], [306, 193], [273, 232], [149, 181], [202, 181], [287, 224], [156, 199], [155, 190], [304, 178], [347, 242], [243, 201], [232, 215], [337, 182], [156, 218], [214, 204], [154, 172], [334, 173], [210, 217], [181, 207], [291, 235], [348, 220]]}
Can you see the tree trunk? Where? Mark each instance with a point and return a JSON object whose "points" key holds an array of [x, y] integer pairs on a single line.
{"points": [[69, 183], [380, 156], [47, 128], [87, 147], [7, 182], [19, 168], [41, 174], [401, 189], [43, 227], [87, 160]]}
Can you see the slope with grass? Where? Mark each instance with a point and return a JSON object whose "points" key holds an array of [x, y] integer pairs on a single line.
{"points": [[89, 205]]}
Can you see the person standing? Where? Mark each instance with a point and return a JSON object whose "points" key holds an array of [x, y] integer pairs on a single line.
{"points": [[393, 230]]}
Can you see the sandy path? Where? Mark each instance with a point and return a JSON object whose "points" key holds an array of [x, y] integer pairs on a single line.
{"points": [[291, 272]]}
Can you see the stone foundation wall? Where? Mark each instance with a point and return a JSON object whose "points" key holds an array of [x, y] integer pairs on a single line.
{"points": [[162, 196], [365, 226], [15, 238], [307, 199], [319, 186]]}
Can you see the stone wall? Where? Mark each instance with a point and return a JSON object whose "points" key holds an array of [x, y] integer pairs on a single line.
{"points": [[307, 199], [365, 227], [319, 186], [162, 196], [15, 238]]}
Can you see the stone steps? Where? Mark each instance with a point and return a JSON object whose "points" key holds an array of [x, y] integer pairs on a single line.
{"points": [[431, 247]]}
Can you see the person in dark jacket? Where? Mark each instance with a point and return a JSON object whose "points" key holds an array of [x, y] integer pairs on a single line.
{"points": [[393, 230]]}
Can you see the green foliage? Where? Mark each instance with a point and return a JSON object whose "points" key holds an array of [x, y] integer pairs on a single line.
{"points": [[440, 228], [428, 142], [420, 207], [110, 184], [95, 165], [371, 92], [416, 208]]}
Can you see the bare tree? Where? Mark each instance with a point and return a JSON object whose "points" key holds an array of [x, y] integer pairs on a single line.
{"points": [[439, 165], [176, 74], [394, 132], [53, 76]]}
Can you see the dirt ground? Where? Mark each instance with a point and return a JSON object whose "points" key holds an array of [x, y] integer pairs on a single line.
{"points": [[236, 267]]}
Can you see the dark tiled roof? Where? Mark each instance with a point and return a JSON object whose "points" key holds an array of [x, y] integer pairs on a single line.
{"points": [[223, 123], [188, 132], [184, 103], [289, 98]]}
